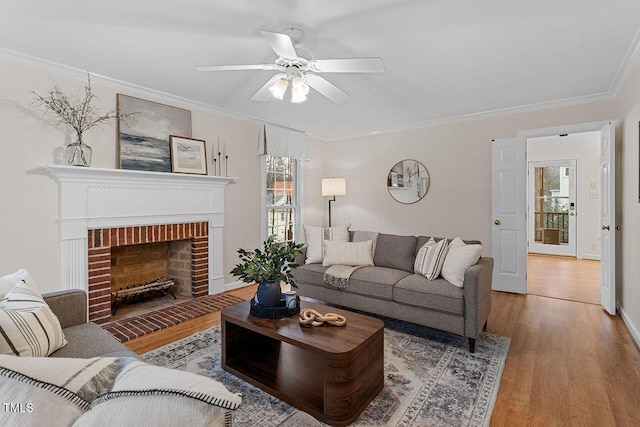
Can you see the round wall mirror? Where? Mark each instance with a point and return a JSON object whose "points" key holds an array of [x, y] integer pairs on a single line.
{"points": [[408, 181]]}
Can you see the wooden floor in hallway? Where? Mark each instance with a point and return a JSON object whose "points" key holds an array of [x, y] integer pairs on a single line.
{"points": [[569, 363], [564, 277]]}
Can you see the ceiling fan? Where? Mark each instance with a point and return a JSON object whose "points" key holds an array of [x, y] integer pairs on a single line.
{"points": [[296, 67]]}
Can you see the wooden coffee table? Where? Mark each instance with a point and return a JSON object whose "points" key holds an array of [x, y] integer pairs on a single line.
{"points": [[330, 372]]}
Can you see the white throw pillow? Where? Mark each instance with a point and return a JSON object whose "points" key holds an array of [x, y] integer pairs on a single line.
{"points": [[459, 258], [38, 406], [338, 233], [347, 253], [28, 327], [314, 236], [430, 258], [10, 280]]}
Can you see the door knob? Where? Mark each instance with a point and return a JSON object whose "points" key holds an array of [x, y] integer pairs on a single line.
{"points": [[606, 227], [497, 222]]}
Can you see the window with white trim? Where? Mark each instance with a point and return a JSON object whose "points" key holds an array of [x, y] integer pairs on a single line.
{"points": [[281, 179]]}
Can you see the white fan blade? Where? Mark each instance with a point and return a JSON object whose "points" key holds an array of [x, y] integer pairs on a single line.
{"points": [[354, 65], [325, 88], [264, 94], [236, 67], [281, 44]]}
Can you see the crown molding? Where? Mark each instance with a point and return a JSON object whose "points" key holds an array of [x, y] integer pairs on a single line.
{"points": [[503, 112], [130, 88], [632, 58], [627, 67]]}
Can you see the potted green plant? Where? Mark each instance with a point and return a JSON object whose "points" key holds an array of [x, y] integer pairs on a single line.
{"points": [[80, 115], [268, 268]]}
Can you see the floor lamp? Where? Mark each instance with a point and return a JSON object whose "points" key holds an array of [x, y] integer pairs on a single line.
{"points": [[333, 187]]}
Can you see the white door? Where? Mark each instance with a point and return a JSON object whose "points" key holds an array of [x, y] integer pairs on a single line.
{"points": [[508, 207], [552, 207], [608, 218]]}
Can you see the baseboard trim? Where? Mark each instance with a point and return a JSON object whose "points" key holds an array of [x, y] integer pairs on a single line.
{"points": [[591, 256], [234, 285], [632, 328]]}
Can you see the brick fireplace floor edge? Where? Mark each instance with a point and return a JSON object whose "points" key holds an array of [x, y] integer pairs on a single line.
{"points": [[137, 326]]}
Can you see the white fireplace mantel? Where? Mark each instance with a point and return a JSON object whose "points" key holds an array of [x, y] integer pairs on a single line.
{"points": [[91, 198]]}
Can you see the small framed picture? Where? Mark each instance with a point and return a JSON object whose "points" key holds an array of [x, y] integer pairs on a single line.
{"points": [[188, 155]]}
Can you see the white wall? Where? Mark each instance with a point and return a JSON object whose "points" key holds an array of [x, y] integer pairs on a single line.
{"points": [[29, 208], [458, 157], [315, 206], [585, 148], [629, 286]]}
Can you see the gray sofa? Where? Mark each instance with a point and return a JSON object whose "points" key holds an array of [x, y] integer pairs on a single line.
{"points": [[390, 288], [85, 339]]}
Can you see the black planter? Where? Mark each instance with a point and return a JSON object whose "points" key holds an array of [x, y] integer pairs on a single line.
{"points": [[268, 294]]}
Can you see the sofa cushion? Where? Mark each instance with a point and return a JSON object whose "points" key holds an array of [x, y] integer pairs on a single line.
{"points": [[430, 258], [80, 381], [424, 239], [309, 273], [28, 327], [459, 257], [436, 294], [337, 233], [315, 236], [38, 405], [90, 340], [10, 280], [347, 253], [375, 281], [154, 410], [394, 251], [147, 395]]}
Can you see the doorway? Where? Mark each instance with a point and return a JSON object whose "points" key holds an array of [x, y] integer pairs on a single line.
{"points": [[509, 208], [552, 205], [563, 251]]}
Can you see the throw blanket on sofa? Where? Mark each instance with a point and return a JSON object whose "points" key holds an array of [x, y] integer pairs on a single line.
{"points": [[339, 275]]}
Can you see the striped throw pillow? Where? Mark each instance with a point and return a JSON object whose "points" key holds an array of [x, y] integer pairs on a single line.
{"points": [[430, 258], [28, 327]]}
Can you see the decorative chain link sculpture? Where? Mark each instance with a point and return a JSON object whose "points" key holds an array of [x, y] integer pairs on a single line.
{"points": [[310, 317]]}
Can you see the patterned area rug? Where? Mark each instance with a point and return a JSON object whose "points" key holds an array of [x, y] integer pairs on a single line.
{"points": [[431, 379]]}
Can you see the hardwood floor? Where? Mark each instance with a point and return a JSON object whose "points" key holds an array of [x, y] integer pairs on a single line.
{"points": [[563, 277], [569, 363]]}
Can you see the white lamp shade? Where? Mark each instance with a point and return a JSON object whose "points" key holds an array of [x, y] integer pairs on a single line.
{"points": [[299, 90], [279, 88], [334, 186]]}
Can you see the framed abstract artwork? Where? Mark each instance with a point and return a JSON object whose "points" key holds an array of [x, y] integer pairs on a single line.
{"points": [[144, 141], [188, 155]]}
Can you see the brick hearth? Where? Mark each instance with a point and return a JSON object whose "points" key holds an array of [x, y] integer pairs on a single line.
{"points": [[100, 242], [137, 326]]}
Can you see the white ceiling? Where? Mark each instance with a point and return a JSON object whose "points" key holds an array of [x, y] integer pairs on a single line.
{"points": [[444, 58]]}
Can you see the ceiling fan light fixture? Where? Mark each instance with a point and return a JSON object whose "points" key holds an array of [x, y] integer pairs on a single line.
{"points": [[299, 90], [279, 88]]}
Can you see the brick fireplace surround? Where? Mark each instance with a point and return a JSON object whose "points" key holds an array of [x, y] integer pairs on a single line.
{"points": [[100, 242], [105, 208]]}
